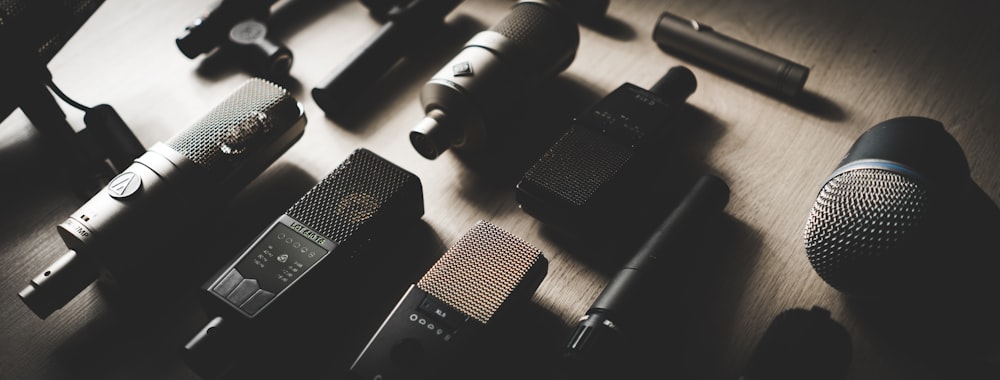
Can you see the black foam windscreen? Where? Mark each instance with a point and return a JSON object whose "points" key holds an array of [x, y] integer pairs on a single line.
{"points": [[901, 212]]}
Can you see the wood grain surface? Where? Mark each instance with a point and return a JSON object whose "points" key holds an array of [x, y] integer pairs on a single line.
{"points": [[869, 60]]}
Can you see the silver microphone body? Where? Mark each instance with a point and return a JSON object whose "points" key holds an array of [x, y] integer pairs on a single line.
{"points": [[186, 179], [485, 80]]}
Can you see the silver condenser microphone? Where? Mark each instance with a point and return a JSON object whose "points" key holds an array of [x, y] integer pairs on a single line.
{"points": [[187, 179]]}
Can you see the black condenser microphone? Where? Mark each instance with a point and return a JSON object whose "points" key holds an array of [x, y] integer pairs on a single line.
{"points": [[304, 256], [479, 277], [901, 213], [467, 99], [801, 344], [582, 181], [602, 333], [408, 25], [240, 26], [171, 186]]}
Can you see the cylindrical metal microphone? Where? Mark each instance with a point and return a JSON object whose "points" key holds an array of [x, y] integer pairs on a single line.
{"points": [[324, 237], [745, 62], [484, 273], [212, 28], [600, 333], [901, 197], [189, 177], [467, 99]]}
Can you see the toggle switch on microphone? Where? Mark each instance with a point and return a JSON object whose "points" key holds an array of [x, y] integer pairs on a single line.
{"points": [[120, 232]]}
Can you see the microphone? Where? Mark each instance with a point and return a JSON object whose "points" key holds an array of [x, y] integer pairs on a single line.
{"points": [[901, 197], [601, 334], [186, 179], [736, 58], [581, 182], [324, 237], [408, 24], [238, 25], [443, 313], [467, 99], [801, 344]]}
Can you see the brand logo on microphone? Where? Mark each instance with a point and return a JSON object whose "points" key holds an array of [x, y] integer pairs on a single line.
{"points": [[124, 185]]}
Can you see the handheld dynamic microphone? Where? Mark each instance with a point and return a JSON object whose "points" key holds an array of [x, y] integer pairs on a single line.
{"points": [[482, 275], [174, 183], [408, 24], [901, 197], [239, 26], [581, 182], [320, 242], [602, 333], [467, 99], [801, 344]]}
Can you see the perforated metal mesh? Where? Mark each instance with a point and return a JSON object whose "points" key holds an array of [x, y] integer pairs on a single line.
{"points": [[250, 118], [578, 165], [541, 29], [364, 187], [43, 25], [863, 223], [477, 274]]}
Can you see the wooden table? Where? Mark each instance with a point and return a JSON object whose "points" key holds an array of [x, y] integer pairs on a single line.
{"points": [[870, 61]]}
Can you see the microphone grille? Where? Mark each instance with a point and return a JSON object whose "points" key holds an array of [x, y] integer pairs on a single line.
{"points": [[364, 187], [256, 112], [577, 165], [865, 224], [477, 274], [546, 30], [43, 26]]}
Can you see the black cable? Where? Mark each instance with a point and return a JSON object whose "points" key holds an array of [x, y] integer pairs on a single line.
{"points": [[61, 95]]}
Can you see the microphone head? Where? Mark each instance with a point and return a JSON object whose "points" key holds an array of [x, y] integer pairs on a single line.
{"points": [[440, 316], [895, 202], [242, 135], [545, 33]]}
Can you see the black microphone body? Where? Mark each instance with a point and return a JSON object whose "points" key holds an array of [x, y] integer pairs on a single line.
{"points": [[801, 344], [599, 172], [601, 332], [474, 93], [900, 198], [408, 25], [319, 247], [211, 29], [442, 316], [171, 186], [239, 26]]}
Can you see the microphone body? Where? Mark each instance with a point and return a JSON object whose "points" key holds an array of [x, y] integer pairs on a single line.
{"points": [[324, 237], [408, 25], [900, 198], [745, 62], [444, 313], [600, 333], [468, 99], [239, 26], [187, 178], [590, 177]]}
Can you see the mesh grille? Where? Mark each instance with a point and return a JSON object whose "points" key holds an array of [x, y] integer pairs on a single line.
{"points": [[864, 221], [363, 187], [545, 32], [254, 113], [44, 25], [578, 165], [478, 273]]}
